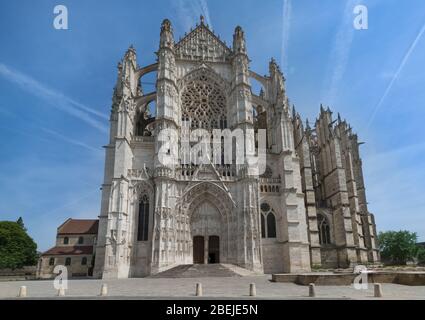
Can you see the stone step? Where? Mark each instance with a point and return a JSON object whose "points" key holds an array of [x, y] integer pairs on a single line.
{"points": [[197, 271]]}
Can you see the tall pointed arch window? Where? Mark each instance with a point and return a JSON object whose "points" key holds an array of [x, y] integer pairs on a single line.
{"points": [[268, 221], [143, 223], [271, 225], [324, 229]]}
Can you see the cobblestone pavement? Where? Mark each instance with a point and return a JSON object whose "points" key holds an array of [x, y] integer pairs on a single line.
{"points": [[213, 288]]}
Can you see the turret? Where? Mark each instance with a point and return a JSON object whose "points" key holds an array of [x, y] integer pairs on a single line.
{"points": [[242, 86], [166, 103], [122, 101], [239, 45], [112, 253], [166, 39]]}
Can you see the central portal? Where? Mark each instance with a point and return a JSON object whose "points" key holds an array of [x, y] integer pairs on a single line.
{"points": [[206, 230], [199, 253]]}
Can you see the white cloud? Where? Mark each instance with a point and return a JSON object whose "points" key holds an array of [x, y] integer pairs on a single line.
{"points": [[341, 52], [189, 12], [54, 98]]}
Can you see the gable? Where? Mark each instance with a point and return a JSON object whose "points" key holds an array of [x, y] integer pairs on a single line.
{"points": [[202, 44]]}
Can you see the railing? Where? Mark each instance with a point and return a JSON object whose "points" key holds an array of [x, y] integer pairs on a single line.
{"points": [[270, 185], [187, 172], [225, 172], [143, 139]]}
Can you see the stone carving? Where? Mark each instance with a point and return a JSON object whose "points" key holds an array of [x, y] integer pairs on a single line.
{"points": [[202, 44]]}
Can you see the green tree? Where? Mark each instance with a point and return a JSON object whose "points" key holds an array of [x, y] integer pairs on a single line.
{"points": [[17, 248], [398, 247]]}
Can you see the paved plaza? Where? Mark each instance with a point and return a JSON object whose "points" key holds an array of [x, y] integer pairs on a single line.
{"points": [[213, 288]]}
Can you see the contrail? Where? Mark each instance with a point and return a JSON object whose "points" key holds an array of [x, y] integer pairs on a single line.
{"points": [[286, 24], [341, 51], [396, 75], [54, 98], [69, 140]]}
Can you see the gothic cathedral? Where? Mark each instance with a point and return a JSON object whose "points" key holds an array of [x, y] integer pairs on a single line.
{"points": [[306, 210]]}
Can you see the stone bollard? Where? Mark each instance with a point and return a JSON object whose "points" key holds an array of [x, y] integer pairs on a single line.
{"points": [[377, 290], [22, 292], [252, 290], [104, 290], [199, 289], [311, 290], [61, 292]]}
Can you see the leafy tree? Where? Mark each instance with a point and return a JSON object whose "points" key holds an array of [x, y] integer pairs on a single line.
{"points": [[398, 247], [17, 248]]}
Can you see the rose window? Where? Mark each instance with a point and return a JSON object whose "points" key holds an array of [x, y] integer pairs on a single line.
{"points": [[204, 105]]}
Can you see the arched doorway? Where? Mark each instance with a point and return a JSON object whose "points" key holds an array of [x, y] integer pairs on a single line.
{"points": [[206, 224], [214, 249], [198, 249]]}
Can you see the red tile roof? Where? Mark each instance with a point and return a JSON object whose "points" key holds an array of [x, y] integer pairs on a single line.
{"points": [[79, 226], [69, 250]]}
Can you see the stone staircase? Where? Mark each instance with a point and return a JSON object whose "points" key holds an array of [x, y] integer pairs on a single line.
{"points": [[202, 271]]}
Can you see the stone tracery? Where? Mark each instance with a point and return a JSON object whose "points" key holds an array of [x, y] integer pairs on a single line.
{"points": [[204, 104]]}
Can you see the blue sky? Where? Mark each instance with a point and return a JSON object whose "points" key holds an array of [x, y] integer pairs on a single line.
{"points": [[56, 87]]}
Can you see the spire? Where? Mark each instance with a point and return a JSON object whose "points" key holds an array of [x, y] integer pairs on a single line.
{"points": [[239, 45], [166, 26], [166, 38], [273, 67], [321, 108], [261, 93], [339, 118], [202, 19], [307, 125], [294, 113], [130, 54], [131, 48]]}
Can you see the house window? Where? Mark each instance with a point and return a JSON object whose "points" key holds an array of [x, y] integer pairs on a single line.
{"points": [[51, 261], [80, 240], [84, 261], [268, 221], [65, 240], [324, 229], [143, 225], [68, 261]]}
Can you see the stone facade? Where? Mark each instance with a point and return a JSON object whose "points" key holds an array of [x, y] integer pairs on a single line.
{"points": [[307, 209], [75, 242]]}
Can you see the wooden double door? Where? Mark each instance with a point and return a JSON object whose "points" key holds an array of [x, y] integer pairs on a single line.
{"points": [[200, 255]]}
